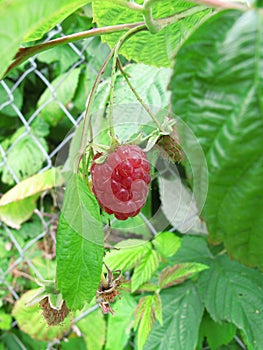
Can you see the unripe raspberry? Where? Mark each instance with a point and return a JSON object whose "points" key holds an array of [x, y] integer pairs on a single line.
{"points": [[120, 184]]}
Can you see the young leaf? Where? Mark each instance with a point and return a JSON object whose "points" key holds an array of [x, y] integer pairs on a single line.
{"points": [[129, 253], [217, 91], [119, 325], [167, 243], [172, 275], [233, 293], [158, 309], [145, 268], [80, 245], [5, 321], [144, 47], [216, 334], [22, 26], [61, 92], [182, 313], [144, 318], [17, 205], [30, 320]]}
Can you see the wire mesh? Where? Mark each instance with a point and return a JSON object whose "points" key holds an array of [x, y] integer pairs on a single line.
{"points": [[21, 261]]}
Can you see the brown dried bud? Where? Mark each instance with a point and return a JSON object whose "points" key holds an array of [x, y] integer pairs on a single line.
{"points": [[53, 316]]}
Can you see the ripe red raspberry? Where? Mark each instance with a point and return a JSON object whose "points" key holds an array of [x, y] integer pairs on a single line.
{"points": [[120, 184]]}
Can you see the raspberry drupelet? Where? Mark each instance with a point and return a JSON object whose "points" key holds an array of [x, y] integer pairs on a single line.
{"points": [[120, 184]]}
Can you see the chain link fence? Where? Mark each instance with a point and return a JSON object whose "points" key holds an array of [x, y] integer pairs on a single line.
{"points": [[21, 264]]}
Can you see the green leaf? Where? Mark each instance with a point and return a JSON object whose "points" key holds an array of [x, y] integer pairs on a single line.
{"points": [[29, 20], [144, 316], [61, 91], [80, 245], [152, 49], [17, 205], [179, 205], [74, 343], [129, 254], [64, 55], [94, 329], [233, 293], [151, 85], [217, 91], [166, 243], [14, 214], [30, 320], [145, 268], [216, 334], [25, 158], [120, 324], [193, 249], [172, 275], [182, 313], [158, 309], [5, 320]]}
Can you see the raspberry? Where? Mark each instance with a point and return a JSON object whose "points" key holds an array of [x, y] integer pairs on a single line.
{"points": [[120, 184]]}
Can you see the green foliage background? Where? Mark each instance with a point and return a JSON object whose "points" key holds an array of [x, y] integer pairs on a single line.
{"points": [[184, 291]]}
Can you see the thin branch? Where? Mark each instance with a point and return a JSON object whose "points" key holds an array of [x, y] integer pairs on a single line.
{"points": [[138, 97], [131, 5], [152, 25], [166, 21], [24, 53], [87, 126], [119, 44], [222, 4]]}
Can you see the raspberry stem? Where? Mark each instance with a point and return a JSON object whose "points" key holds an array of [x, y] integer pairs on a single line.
{"points": [[116, 49], [155, 120], [87, 121]]}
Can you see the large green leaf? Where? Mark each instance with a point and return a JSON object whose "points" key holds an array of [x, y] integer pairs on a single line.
{"points": [[153, 49], [182, 313], [217, 91], [29, 20], [233, 293], [17, 205], [80, 245], [216, 334]]}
